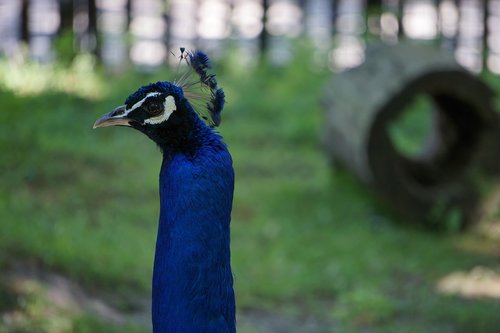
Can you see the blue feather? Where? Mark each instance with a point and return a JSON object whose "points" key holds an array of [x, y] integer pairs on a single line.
{"points": [[216, 105], [160, 86], [192, 281], [200, 63]]}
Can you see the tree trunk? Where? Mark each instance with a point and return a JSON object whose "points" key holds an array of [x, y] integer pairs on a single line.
{"points": [[440, 184]]}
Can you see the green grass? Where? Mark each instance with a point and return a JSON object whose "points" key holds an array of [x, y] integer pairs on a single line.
{"points": [[306, 239], [411, 129]]}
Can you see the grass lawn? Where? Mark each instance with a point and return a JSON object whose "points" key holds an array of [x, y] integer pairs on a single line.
{"points": [[308, 241]]}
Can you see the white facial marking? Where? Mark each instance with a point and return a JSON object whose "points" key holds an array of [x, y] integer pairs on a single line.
{"points": [[138, 104], [168, 107]]}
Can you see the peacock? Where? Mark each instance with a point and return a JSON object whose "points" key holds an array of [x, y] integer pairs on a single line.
{"points": [[192, 287]]}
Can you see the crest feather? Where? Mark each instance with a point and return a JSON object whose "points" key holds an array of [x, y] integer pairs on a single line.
{"points": [[203, 92]]}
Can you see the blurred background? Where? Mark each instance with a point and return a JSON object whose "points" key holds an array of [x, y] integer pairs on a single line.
{"points": [[313, 248]]}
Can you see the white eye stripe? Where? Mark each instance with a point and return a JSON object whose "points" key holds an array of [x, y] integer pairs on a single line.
{"points": [[168, 107], [139, 104]]}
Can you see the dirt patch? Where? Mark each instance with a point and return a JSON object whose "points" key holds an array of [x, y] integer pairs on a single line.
{"points": [[59, 296]]}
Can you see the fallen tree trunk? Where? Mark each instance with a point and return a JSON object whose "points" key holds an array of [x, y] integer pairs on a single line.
{"points": [[440, 184]]}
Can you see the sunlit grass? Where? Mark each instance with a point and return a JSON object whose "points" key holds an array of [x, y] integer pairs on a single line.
{"points": [[412, 128], [80, 79]]}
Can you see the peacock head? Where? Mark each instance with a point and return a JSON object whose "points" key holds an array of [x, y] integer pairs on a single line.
{"points": [[162, 108]]}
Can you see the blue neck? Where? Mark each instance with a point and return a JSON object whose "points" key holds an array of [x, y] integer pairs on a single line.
{"points": [[192, 279]]}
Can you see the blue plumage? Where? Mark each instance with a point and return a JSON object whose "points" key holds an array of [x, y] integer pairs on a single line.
{"points": [[192, 290], [216, 106], [159, 86], [200, 63], [192, 280]]}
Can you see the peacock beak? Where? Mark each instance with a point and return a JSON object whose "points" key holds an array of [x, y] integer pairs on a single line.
{"points": [[117, 117]]}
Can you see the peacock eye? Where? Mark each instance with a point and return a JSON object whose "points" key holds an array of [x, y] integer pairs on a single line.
{"points": [[154, 108]]}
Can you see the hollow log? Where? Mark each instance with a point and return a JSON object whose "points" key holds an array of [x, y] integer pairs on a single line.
{"points": [[440, 185]]}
